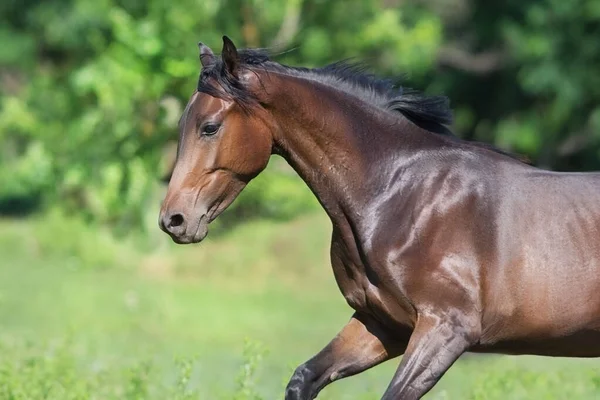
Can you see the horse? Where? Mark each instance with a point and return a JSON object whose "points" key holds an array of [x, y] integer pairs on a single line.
{"points": [[440, 246]]}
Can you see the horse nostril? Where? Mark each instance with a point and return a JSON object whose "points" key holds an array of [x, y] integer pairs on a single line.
{"points": [[175, 221], [173, 224]]}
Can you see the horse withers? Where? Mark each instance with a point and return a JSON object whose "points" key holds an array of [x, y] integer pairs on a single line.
{"points": [[441, 246]]}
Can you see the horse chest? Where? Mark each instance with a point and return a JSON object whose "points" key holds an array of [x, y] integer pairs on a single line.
{"points": [[359, 286]]}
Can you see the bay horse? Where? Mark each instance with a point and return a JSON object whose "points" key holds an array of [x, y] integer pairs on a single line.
{"points": [[439, 245]]}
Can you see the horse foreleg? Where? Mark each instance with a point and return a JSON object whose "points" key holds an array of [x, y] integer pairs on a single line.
{"points": [[433, 347], [360, 345]]}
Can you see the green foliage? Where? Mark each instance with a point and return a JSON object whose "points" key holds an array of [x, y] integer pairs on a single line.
{"points": [[560, 60], [80, 244], [540, 96], [508, 376], [137, 387], [90, 92], [130, 333], [246, 385], [277, 193], [182, 390]]}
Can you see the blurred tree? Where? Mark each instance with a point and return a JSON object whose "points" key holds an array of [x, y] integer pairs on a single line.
{"points": [[524, 74], [90, 92]]}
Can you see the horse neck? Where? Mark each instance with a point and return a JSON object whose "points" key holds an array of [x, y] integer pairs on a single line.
{"points": [[338, 144]]}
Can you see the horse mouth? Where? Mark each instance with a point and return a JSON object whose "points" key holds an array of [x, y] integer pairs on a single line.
{"points": [[201, 230], [185, 231]]}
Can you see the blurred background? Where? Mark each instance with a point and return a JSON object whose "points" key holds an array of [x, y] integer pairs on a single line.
{"points": [[97, 303]]}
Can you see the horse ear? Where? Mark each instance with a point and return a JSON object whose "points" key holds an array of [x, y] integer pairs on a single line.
{"points": [[207, 56], [231, 59]]}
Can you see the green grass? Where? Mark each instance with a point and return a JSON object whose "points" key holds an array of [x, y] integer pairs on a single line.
{"points": [[83, 316]]}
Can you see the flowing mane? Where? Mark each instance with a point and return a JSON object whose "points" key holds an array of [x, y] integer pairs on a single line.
{"points": [[432, 113]]}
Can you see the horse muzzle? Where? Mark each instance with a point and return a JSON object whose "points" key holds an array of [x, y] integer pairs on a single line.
{"points": [[183, 229]]}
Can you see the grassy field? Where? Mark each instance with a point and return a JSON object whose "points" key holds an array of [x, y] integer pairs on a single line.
{"points": [[84, 316]]}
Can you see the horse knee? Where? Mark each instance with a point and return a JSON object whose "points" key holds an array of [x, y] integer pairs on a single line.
{"points": [[301, 384]]}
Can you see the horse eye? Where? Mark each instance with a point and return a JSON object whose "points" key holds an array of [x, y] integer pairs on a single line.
{"points": [[210, 129]]}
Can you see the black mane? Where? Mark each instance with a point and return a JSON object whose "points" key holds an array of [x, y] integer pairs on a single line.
{"points": [[349, 77], [432, 113]]}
